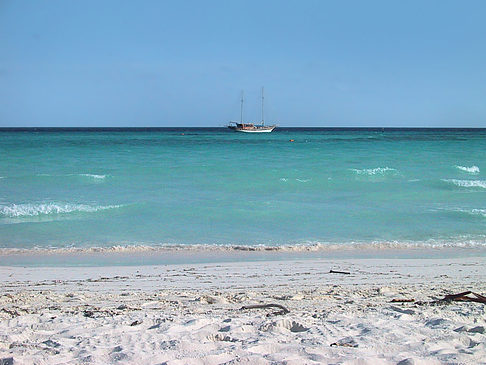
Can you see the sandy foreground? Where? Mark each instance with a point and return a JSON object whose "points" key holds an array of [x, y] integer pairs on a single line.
{"points": [[192, 314]]}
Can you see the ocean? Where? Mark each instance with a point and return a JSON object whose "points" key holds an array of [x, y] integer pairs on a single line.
{"points": [[65, 191]]}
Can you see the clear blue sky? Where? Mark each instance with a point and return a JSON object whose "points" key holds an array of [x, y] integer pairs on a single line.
{"points": [[183, 63]]}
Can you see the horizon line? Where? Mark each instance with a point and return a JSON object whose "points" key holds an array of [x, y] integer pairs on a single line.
{"points": [[224, 127]]}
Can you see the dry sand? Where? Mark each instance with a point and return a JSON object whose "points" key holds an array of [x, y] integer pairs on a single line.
{"points": [[191, 314]]}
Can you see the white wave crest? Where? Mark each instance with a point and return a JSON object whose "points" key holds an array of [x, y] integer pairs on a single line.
{"points": [[479, 212], [309, 247], [31, 210], [93, 176], [303, 180], [375, 171], [467, 183], [475, 212], [471, 170]]}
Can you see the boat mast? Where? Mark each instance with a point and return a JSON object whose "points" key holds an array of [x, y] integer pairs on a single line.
{"points": [[263, 118], [241, 109]]}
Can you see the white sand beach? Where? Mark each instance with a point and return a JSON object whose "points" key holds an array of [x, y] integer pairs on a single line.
{"points": [[192, 314]]}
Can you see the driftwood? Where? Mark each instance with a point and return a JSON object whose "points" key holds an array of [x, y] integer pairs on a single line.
{"points": [[460, 297], [339, 272], [282, 310], [11, 312], [343, 344], [403, 300]]}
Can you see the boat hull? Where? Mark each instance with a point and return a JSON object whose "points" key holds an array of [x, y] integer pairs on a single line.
{"points": [[260, 130]]}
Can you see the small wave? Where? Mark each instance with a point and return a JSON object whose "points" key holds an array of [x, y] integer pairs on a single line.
{"points": [[91, 176], [474, 212], [471, 170], [284, 179], [478, 212], [317, 247], [98, 177], [467, 183], [375, 171], [31, 210]]}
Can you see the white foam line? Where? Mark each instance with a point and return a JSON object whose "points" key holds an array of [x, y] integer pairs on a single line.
{"points": [[474, 170], [375, 171], [311, 247], [467, 183], [100, 177], [30, 210], [474, 212]]}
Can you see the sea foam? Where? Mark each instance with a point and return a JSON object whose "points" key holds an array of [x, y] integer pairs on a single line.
{"points": [[472, 170], [375, 171], [474, 212], [94, 176], [30, 210], [316, 247], [97, 177], [467, 183]]}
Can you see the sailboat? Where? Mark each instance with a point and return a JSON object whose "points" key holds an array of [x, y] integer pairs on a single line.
{"points": [[250, 127]]}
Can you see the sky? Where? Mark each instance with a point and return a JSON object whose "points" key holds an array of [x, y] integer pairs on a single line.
{"points": [[184, 63]]}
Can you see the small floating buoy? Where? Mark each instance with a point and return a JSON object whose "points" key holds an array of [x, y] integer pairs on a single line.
{"points": [[291, 140], [182, 134]]}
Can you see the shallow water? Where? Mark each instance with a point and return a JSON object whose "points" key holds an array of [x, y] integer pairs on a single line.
{"points": [[185, 187]]}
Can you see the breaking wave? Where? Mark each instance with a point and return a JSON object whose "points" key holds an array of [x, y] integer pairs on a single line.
{"points": [[93, 176], [471, 170], [285, 179], [467, 183], [473, 212], [375, 171], [31, 210], [461, 242]]}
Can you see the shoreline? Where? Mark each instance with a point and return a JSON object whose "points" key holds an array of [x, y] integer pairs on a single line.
{"points": [[192, 313], [199, 254]]}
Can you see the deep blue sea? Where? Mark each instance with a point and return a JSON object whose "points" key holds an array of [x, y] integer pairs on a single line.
{"points": [[120, 189]]}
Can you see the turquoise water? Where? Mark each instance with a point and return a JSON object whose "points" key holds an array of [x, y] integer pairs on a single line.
{"points": [[214, 187]]}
